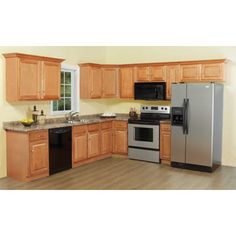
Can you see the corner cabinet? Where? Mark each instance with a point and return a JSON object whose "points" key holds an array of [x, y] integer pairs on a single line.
{"points": [[30, 77], [28, 160]]}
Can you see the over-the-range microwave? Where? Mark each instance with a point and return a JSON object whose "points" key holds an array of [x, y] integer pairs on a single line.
{"points": [[150, 91]]}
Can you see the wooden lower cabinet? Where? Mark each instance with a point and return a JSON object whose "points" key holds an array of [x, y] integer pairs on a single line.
{"points": [[120, 137], [79, 144], [106, 138], [28, 160], [165, 143], [93, 144]]}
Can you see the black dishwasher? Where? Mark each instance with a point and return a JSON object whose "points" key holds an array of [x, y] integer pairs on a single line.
{"points": [[60, 145]]}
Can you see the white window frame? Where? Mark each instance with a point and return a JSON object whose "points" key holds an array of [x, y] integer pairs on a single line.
{"points": [[75, 85]]}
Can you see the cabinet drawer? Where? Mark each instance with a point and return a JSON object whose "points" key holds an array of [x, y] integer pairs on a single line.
{"points": [[40, 135], [106, 125], [120, 124], [80, 129], [165, 127], [94, 127]]}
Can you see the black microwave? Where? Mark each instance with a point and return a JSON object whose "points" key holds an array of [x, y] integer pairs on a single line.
{"points": [[150, 91]]}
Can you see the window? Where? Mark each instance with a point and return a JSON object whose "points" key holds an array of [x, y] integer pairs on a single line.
{"points": [[69, 91]]}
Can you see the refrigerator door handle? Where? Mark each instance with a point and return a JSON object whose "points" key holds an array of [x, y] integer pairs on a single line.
{"points": [[186, 116]]}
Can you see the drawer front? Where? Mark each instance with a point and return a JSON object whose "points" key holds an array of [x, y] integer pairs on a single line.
{"points": [[94, 127], [106, 125], [120, 124], [165, 127], [80, 129], [39, 135]]}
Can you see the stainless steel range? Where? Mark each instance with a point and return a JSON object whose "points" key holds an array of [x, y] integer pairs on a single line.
{"points": [[143, 133]]}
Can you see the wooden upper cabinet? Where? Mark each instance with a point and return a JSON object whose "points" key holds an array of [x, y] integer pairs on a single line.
{"points": [[172, 76], [212, 72], [28, 82], [142, 74], [30, 77], [190, 73], [127, 82], [96, 82], [51, 80], [110, 83], [157, 74]]}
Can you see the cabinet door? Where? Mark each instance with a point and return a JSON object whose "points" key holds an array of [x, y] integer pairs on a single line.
{"points": [[38, 157], [190, 73], [158, 73], [165, 142], [109, 82], [106, 141], [127, 82], [80, 147], [172, 76], [51, 77], [120, 143], [93, 144], [142, 74], [29, 79], [212, 72], [95, 83]]}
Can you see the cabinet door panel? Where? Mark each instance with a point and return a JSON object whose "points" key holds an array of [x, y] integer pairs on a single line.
{"points": [[38, 158], [93, 144], [142, 74], [190, 73], [165, 151], [95, 83], [212, 72], [51, 80], [29, 79], [80, 143], [172, 76], [109, 82], [120, 142], [126, 83], [106, 141], [158, 73]]}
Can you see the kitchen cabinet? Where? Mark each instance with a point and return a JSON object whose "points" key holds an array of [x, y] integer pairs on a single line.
{"points": [[94, 144], [30, 77], [110, 82], [120, 137], [190, 73], [172, 76], [165, 143], [212, 72], [79, 144], [127, 82], [150, 73], [106, 138], [28, 160]]}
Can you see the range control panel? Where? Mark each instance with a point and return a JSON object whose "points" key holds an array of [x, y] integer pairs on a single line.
{"points": [[155, 109], [177, 117]]}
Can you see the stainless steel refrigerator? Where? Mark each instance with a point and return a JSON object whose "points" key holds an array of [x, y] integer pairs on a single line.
{"points": [[196, 131]]}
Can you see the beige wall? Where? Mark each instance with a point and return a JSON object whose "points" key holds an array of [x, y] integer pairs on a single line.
{"points": [[75, 55], [155, 54]]}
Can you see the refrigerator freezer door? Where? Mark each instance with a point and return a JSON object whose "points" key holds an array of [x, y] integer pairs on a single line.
{"points": [[200, 122], [177, 135]]}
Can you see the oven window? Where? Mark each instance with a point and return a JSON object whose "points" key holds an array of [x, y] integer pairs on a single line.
{"points": [[143, 134]]}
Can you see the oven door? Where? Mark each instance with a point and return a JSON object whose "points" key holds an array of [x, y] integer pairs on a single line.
{"points": [[143, 136]]}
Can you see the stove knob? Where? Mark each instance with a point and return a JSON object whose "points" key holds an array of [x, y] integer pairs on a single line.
{"points": [[162, 108], [165, 108], [146, 108]]}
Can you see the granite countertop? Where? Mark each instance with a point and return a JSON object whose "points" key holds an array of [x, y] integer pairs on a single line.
{"points": [[165, 121], [61, 122]]}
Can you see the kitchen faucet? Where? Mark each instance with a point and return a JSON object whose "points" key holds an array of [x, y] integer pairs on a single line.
{"points": [[71, 115]]}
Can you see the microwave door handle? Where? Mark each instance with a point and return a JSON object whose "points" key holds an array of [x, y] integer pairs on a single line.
{"points": [[156, 95]]}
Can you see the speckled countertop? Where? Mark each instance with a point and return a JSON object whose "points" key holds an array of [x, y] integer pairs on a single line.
{"points": [[61, 122], [165, 122]]}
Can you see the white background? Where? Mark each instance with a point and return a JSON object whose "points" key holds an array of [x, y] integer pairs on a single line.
{"points": [[121, 22]]}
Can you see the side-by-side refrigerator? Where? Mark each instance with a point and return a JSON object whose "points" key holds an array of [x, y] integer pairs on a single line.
{"points": [[196, 131]]}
